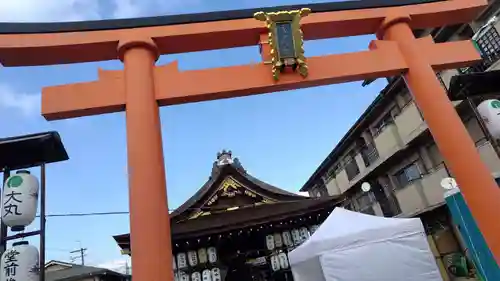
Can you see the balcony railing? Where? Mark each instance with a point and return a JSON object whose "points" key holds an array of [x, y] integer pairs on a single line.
{"points": [[369, 154], [488, 44]]}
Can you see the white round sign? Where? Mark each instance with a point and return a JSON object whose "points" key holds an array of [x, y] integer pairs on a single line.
{"points": [[449, 183], [365, 187]]}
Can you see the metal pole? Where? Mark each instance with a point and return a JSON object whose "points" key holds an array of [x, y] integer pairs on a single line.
{"points": [[42, 222], [3, 227], [482, 125]]}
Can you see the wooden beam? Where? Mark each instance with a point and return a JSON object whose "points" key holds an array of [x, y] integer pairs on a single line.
{"points": [[60, 48], [176, 87]]}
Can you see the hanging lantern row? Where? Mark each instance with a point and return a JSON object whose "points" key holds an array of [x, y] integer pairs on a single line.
{"points": [[289, 239], [20, 263], [250, 230], [193, 258], [20, 200], [213, 274]]}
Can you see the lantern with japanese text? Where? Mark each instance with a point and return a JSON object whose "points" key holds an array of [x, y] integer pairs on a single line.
{"points": [[192, 258], [196, 276], [287, 238], [202, 255], [304, 233], [20, 263], [206, 275], [283, 260], [212, 254], [275, 263], [183, 276], [296, 237], [270, 242], [278, 241], [20, 200], [181, 260], [216, 274], [313, 228]]}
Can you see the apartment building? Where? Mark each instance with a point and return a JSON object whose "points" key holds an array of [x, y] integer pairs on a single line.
{"points": [[391, 148]]}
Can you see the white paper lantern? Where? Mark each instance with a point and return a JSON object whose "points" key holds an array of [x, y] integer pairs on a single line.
{"points": [[202, 255], [296, 237], [196, 276], [216, 276], [212, 254], [278, 241], [490, 113], [275, 263], [270, 242], [181, 261], [192, 258], [207, 275], [183, 276], [304, 233], [283, 259], [313, 228], [20, 263], [20, 200], [287, 239]]}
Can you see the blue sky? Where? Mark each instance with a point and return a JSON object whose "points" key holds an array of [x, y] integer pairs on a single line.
{"points": [[280, 138]]}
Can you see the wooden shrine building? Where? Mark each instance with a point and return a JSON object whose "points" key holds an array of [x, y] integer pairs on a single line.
{"points": [[236, 227]]}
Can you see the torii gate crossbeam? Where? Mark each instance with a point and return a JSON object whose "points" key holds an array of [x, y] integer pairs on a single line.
{"points": [[142, 86]]}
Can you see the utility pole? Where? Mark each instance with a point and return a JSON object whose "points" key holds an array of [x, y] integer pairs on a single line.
{"points": [[81, 253]]}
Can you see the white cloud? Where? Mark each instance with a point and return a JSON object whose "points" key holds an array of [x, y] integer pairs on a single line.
{"points": [[121, 265], [26, 103], [78, 10], [49, 10]]}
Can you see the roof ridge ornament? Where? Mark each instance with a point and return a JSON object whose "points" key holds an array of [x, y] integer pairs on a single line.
{"points": [[225, 157]]}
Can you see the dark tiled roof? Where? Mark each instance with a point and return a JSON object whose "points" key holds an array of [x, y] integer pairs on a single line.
{"points": [[77, 272]]}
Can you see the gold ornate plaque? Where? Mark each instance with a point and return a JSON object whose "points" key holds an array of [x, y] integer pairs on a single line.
{"points": [[286, 40]]}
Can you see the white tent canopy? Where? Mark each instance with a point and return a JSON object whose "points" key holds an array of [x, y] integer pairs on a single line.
{"points": [[351, 246]]}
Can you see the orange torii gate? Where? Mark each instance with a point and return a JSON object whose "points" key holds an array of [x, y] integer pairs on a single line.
{"points": [[142, 86]]}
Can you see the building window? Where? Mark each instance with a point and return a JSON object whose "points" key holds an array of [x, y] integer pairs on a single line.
{"points": [[406, 98], [382, 124], [365, 200], [369, 154], [407, 175], [351, 167]]}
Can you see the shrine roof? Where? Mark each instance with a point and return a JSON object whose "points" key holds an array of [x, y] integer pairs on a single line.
{"points": [[226, 166], [55, 27]]}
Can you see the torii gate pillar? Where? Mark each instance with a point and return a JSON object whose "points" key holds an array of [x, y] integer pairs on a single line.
{"points": [[450, 135], [149, 217]]}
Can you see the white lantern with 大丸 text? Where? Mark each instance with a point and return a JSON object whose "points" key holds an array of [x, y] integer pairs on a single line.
{"points": [[489, 110], [20, 263], [183, 276], [20, 200]]}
